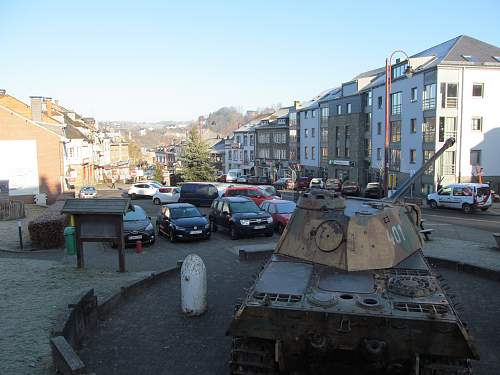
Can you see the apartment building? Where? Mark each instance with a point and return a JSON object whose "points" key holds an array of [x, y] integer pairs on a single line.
{"points": [[240, 148], [453, 91], [272, 145]]}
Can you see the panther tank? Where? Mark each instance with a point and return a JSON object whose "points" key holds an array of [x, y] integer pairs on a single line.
{"points": [[347, 290]]}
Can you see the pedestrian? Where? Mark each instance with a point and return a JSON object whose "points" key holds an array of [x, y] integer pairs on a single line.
{"points": [[113, 182]]}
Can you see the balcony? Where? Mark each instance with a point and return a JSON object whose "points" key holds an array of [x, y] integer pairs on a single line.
{"points": [[428, 103], [451, 102], [396, 109], [449, 169], [450, 134]]}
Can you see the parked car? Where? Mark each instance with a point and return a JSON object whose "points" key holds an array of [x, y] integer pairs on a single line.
{"points": [[241, 216], [253, 192], [243, 179], [316, 183], [302, 183], [290, 184], [269, 189], [252, 180], [374, 190], [333, 184], [263, 180], [221, 178], [350, 188], [198, 193], [182, 221], [466, 196], [280, 184], [137, 226], [168, 194], [87, 192], [233, 174], [280, 210], [143, 189]]}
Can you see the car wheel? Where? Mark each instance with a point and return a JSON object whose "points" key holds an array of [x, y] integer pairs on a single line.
{"points": [[433, 204], [484, 208], [152, 241], [157, 201], [234, 232], [171, 235], [281, 228], [467, 208], [213, 226]]}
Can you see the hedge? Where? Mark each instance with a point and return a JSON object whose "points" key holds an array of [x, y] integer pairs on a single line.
{"points": [[47, 230]]}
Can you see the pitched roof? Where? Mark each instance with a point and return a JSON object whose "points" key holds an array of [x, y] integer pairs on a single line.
{"points": [[110, 206], [22, 108]]}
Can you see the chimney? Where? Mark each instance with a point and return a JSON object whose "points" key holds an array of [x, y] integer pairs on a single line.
{"points": [[2, 92], [296, 103], [48, 106], [36, 108]]}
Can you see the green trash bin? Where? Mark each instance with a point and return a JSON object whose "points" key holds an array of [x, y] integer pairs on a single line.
{"points": [[70, 241]]}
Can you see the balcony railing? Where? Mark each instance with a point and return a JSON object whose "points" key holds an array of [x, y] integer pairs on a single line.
{"points": [[396, 109], [449, 169], [450, 134], [428, 103], [324, 120], [451, 102], [430, 137]]}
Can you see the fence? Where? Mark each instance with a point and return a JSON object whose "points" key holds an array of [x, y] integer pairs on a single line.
{"points": [[11, 210]]}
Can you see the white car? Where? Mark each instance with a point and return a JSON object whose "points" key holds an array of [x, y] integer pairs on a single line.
{"points": [[467, 197], [167, 194], [88, 192], [316, 183], [143, 189]]}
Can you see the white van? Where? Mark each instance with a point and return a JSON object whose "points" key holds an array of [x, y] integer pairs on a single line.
{"points": [[464, 196], [233, 174]]}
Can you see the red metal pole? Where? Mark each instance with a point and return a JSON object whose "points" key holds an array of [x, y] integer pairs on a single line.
{"points": [[386, 143]]}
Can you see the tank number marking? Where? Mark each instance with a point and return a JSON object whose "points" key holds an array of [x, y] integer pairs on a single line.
{"points": [[396, 235]]}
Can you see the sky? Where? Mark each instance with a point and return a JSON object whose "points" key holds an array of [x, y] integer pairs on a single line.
{"points": [[176, 60]]}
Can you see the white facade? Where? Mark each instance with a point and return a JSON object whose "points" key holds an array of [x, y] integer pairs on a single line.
{"points": [[309, 137], [240, 150]]}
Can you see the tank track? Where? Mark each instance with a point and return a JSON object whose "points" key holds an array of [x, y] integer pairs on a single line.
{"points": [[444, 366], [251, 356]]}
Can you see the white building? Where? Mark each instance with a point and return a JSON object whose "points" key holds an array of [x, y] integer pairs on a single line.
{"points": [[454, 91]]}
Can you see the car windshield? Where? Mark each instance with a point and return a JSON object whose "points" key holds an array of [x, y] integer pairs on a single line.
{"points": [[373, 185], [267, 191], [138, 214], [184, 212], [89, 190], [240, 207], [285, 208]]}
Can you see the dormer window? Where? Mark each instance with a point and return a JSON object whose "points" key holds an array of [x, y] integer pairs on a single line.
{"points": [[470, 58], [399, 70], [497, 58]]}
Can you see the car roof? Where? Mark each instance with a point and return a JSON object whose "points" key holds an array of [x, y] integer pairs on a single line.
{"points": [[179, 205], [279, 201], [242, 187], [476, 184], [236, 199], [197, 183]]}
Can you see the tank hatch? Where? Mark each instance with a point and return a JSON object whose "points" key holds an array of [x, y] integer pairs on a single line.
{"points": [[324, 229]]}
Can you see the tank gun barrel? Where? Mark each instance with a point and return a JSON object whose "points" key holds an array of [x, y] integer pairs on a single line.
{"points": [[404, 187]]}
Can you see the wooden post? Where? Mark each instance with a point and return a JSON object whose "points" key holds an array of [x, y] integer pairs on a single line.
{"points": [[79, 245], [121, 245]]}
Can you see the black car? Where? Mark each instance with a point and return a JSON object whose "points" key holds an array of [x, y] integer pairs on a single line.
{"points": [[241, 216], [198, 193], [350, 188], [137, 226], [374, 190], [182, 221]]}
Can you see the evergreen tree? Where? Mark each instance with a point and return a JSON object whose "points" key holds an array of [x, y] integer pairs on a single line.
{"points": [[196, 159], [158, 172]]}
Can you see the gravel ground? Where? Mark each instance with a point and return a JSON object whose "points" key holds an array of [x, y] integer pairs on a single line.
{"points": [[33, 295], [151, 336], [9, 236]]}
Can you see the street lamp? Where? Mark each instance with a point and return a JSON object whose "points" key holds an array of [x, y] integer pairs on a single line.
{"points": [[388, 84]]}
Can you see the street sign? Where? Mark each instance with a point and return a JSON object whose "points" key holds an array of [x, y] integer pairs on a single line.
{"points": [[347, 163]]}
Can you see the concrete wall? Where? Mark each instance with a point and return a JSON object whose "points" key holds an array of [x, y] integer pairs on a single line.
{"points": [[49, 151]]}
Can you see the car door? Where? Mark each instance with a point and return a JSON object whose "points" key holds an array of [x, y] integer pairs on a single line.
{"points": [[457, 197], [225, 215], [444, 196], [164, 218]]}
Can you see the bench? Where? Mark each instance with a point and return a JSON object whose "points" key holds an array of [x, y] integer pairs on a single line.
{"points": [[65, 360], [426, 233]]}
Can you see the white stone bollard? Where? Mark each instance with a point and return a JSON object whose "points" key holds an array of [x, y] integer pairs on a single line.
{"points": [[193, 286]]}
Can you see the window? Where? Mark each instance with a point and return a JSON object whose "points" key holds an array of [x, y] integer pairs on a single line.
{"points": [[324, 115], [427, 155], [306, 133], [429, 97], [324, 153], [462, 191], [251, 140], [399, 71], [395, 131], [475, 157], [251, 155], [379, 102], [245, 159], [293, 118], [369, 98], [282, 121], [396, 103], [427, 189], [379, 128], [447, 128], [449, 95], [306, 152], [324, 135], [337, 141], [429, 129], [313, 132], [293, 135], [245, 140], [379, 153], [313, 153], [413, 94], [413, 125], [347, 142], [368, 121], [229, 155], [305, 114], [413, 156], [447, 163], [477, 90], [348, 108], [395, 160], [314, 113], [71, 152], [238, 140], [367, 143], [339, 109], [241, 155], [264, 137], [477, 124]]}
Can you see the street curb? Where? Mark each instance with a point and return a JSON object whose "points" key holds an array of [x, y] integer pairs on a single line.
{"points": [[81, 321], [30, 250], [484, 272]]}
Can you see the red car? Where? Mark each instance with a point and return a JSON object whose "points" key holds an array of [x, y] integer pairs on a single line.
{"points": [[253, 192], [302, 183], [281, 211]]}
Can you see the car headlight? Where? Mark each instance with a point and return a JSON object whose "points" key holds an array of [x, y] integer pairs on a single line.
{"points": [[245, 222], [269, 220], [149, 227], [207, 226]]}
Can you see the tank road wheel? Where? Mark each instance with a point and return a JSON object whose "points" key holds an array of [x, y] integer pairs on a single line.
{"points": [[251, 356], [443, 365]]}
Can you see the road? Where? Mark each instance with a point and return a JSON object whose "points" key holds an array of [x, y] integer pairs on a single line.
{"points": [[481, 221]]}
